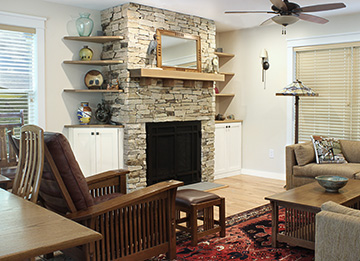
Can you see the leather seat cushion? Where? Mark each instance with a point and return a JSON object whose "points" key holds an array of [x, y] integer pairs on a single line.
{"points": [[188, 197], [65, 161]]}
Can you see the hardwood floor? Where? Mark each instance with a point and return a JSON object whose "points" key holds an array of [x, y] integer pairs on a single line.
{"points": [[245, 192]]}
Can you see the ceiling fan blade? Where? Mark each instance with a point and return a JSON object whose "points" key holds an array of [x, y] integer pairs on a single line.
{"points": [[313, 18], [267, 21], [324, 7], [249, 12], [279, 4]]}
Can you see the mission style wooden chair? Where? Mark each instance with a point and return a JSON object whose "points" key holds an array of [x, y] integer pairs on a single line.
{"points": [[135, 226], [31, 162], [8, 156]]}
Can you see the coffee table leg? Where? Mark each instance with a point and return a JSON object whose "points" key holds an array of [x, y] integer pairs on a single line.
{"points": [[274, 223]]}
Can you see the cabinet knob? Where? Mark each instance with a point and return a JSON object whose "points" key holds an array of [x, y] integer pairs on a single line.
{"points": [[97, 133], [92, 133]]}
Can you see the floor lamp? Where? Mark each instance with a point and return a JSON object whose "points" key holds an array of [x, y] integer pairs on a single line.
{"points": [[296, 89]]}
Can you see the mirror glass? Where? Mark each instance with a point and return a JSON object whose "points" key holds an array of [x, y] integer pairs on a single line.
{"points": [[178, 51]]}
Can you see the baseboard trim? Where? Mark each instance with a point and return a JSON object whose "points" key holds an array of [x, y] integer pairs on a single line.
{"points": [[263, 174], [227, 174]]}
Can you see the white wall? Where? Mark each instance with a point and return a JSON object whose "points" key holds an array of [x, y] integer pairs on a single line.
{"points": [[264, 114], [60, 107]]}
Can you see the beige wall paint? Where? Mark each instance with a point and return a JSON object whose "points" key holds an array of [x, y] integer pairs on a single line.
{"points": [[264, 114], [60, 107]]}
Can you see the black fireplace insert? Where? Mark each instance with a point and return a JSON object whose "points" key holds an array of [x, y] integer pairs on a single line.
{"points": [[173, 151]]}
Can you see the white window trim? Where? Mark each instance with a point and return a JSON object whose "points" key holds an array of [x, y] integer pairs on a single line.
{"points": [[301, 42], [39, 24]]}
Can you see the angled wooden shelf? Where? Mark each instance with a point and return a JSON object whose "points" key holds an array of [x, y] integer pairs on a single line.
{"points": [[96, 62], [90, 90], [178, 75], [227, 73], [225, 95], [95, 39], [228, 55]]}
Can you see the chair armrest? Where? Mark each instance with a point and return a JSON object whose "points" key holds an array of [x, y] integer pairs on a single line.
{"points": [[290, 163], [337, 237], [141, 195], [112, 178]]}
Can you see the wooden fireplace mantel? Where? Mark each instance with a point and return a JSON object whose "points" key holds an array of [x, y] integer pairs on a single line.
{"points": [[176, 75]]}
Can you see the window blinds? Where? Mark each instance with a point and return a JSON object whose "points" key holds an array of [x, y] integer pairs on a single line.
{"points": [[17, 70], [333, 72]]}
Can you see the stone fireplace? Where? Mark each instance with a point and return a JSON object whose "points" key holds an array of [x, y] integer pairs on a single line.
{"points": [[151, 100]]}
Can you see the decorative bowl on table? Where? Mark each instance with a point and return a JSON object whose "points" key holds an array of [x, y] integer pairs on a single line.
{"points": [[332, 183]]}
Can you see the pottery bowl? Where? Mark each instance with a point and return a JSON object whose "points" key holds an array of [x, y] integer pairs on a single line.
{"points": [[332, 183]]}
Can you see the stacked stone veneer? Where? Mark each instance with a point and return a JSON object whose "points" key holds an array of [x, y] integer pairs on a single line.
{"points": [[155, 100]]}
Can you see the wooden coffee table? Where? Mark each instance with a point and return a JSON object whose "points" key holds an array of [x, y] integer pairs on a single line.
{"points": [[301, 205]]}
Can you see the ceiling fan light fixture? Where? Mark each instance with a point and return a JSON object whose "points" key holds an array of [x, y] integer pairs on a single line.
{"points": [[285, 20]]}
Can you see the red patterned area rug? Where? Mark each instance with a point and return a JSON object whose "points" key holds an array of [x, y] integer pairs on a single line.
{"points": [[248, 237]]}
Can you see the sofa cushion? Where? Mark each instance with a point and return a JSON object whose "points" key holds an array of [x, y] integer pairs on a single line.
{"points": [[304, 153], [337, 208], [351, 150], [327, 150], [348, 170]]}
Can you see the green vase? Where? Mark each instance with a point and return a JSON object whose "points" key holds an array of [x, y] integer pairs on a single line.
{"points": [[84, 24]]}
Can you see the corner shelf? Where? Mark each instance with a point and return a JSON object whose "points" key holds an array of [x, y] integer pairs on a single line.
{"points": [[221, 102], [225, 95], [228, 121], [224, 55], [96, 62], [95, 39]]}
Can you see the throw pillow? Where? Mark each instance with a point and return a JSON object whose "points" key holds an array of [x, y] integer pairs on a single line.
{"points": [[327, 150], [304, 153]]}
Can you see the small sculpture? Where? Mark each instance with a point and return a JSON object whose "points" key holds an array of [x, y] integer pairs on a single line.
{"points": [[86, 53], [152, 46], [219, 117], [102, 114]]}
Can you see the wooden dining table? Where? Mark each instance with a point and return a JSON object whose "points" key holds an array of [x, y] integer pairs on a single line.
{"points": [[28, 230]]}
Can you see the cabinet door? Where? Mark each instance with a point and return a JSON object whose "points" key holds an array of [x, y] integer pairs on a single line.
{"points": [[107, 149], [221, 161], [233, 136], [83, 145]]}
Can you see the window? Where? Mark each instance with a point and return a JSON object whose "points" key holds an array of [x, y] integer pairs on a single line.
{"points": [[22, 66], [333, 71], [17, 71]]}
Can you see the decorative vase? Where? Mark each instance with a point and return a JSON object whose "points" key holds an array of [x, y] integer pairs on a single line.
{"points": [[86, 53], [84, 24], [84, 113]]}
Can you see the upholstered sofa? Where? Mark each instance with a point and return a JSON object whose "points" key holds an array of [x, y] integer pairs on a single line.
{"points": [[301, 166], [337, 235]]}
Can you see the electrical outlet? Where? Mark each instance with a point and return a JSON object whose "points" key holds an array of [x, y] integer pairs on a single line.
{"points": [[271, 153]]}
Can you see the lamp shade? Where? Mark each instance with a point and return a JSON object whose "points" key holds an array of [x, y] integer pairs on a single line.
{"points": [[297, 89]]}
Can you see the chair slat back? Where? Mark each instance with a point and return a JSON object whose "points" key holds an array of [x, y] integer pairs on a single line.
{"points": [[9, 121], [31, 162]]}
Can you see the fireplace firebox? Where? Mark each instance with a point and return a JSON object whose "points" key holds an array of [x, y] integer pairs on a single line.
{"points": [[173, 151]]}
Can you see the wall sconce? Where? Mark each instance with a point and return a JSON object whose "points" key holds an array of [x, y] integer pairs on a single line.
{"points": [[264, 63]]}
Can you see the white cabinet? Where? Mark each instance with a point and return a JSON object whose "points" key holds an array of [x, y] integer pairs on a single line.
{"points": [[97, 149], [227, 149]]}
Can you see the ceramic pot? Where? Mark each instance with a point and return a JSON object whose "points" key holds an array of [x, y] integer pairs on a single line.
{"points": [[84, 113], [86, 54], [84, 24], [93, 79]]}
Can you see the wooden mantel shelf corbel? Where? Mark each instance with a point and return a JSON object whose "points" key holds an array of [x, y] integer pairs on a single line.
{"points": [[187, 77]]}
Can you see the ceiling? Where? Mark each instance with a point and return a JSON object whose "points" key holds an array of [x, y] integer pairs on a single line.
{"points": [[214, 9]]}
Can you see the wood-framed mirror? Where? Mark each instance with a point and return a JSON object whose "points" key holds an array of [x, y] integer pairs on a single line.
{"points": [[178, 51]]}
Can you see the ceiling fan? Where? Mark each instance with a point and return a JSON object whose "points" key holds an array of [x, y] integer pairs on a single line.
{"points": [[288, 13]]}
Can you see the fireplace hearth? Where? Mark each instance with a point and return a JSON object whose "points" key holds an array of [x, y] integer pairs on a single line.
{"points": [[173, 151]]}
